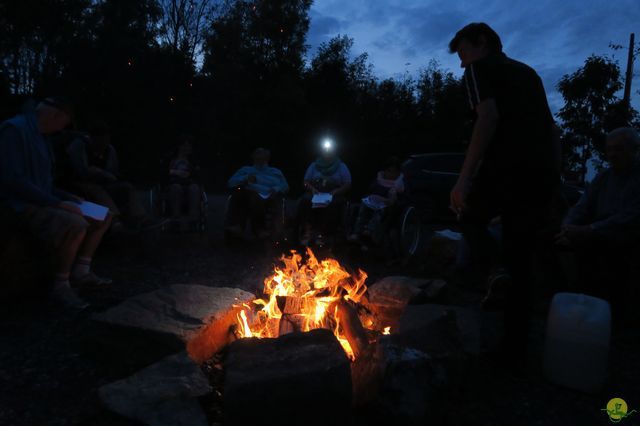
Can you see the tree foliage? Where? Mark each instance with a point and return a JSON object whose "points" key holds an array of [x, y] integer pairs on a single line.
{"points": [[592, 108]]}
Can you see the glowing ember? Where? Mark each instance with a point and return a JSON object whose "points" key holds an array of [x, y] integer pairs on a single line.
{"points": [[303, 297], [386, 331]]}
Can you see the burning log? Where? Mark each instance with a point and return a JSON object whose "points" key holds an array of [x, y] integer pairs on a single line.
{"points": [[352, 327]]}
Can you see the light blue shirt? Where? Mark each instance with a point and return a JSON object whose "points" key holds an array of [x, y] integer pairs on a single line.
{"points": [[268, 179]]}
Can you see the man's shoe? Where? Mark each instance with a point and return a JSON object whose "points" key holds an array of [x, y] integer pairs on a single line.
{"points": [[64, 295]]}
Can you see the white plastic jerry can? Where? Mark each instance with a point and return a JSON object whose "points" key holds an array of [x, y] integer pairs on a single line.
{"points": [[577, 341]]}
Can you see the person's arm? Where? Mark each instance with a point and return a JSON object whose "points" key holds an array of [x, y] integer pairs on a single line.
{"points": [[628, 215], [308, 177], [13, 171], [66, 196], [282, 186], [345, 177], [579, 214], [483, 130], [239, 178], [481, 91]]}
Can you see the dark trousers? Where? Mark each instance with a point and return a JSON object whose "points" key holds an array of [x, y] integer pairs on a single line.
{"points": [[523, 206], [246, 204], [327, 220]]}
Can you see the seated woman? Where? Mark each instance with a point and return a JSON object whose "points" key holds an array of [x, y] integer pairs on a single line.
{"points": [[378, 206], [257, 188], [183, 188], [327, 181]]}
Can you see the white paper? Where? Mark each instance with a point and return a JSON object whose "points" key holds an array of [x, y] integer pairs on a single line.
{"points": [[374, 202], [93, 210], [449, 234], [321, 199]]}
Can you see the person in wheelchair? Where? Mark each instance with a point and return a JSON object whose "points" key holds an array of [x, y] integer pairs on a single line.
{"points": [[380, 205], [257, 189], [327, 181], [182, 186]]}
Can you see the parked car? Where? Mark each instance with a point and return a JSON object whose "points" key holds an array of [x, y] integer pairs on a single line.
{"points": [[429, 179]]}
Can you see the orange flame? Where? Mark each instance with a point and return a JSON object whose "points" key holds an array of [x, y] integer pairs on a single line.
{"points": [[312, 288]]}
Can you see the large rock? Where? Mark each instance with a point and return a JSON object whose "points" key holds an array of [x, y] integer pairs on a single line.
{"points": [[397, 385], [410, 382], [298, 378], [441, 329], [194, 317], [163, 394], [388, 297]]}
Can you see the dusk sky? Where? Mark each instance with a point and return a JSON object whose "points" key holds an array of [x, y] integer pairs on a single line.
{"points": [[553, 36]]}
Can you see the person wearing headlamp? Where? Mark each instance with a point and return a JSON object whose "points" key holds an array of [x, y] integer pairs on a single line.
{"points": [[326, 181]]}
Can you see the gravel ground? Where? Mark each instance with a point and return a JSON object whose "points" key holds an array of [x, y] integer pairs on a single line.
{"points": [[52, 362]]}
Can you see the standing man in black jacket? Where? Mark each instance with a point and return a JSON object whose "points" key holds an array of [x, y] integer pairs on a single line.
{"points": [[511, 166]]}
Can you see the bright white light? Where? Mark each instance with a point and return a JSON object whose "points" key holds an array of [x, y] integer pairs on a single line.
{"points": [[327, 144]]}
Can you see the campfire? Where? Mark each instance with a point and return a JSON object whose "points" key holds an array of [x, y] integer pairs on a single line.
{"points": [[302, 296]]}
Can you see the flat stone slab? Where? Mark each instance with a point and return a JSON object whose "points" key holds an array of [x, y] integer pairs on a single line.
{"points": [[194, 317], [298, 378], [163, 394], [388, 297]]}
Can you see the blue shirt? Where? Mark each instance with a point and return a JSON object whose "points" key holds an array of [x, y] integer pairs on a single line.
{"points": [[268, 179], [340, 177], [26, 164]]}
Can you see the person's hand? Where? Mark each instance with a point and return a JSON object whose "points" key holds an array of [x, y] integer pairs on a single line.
{"points": [[458, 196], [75, 198], [251, 179], [573, 235], [560, 239], [69, 206]]}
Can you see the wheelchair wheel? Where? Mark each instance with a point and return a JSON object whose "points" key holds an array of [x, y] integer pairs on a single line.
{"points": [[410, 229]]}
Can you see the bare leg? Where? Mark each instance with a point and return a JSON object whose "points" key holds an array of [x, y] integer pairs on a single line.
{"points": [[93, 236], [68, 250]]}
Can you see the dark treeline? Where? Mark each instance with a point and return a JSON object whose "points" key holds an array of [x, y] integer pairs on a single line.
{"points": [[234, 74]]}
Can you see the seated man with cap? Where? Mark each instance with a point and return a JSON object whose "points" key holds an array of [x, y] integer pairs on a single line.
{"points": [[257, 188], [26, 187]]}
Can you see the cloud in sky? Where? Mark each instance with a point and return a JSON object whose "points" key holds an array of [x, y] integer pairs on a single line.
{"points": [[553, 36]]}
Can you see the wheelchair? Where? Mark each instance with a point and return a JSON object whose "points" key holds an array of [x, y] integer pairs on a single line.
{"points": [[275, 220], [159, 198], [402, 230]]}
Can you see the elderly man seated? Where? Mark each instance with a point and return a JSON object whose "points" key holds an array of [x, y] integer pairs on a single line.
{"points": [[26, 187], [603, 228], [257, 188]]}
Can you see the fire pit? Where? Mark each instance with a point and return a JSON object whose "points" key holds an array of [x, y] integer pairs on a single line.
{"points": [[306, 295]]}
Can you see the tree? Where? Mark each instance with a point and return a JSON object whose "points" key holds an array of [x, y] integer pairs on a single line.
{"points": [[592, 108], [183, 25], [35, 40], [253, 64], [442, 108]]}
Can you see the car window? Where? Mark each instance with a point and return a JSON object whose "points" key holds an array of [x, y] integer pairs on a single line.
{"points": [[449, 163]]}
